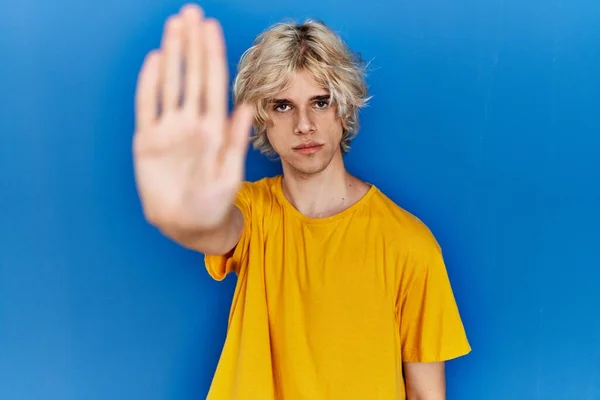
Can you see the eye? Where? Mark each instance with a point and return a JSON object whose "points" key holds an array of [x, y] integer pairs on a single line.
{"points": [[322, 104], [281, 107]]}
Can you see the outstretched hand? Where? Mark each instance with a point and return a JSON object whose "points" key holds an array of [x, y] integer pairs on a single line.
{"points": [[189, 155]]}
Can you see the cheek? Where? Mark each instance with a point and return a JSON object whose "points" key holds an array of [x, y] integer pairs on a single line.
{"points": [[332, 126], [278, 132]]}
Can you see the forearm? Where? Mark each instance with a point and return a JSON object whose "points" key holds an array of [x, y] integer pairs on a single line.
{"points": [[219, 240]]}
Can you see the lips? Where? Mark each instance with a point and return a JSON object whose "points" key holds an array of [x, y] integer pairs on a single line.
{"points": [[307, 145], [308, 148]]}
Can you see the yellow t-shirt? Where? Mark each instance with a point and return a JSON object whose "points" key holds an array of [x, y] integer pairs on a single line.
{"points": [[330, 308]]}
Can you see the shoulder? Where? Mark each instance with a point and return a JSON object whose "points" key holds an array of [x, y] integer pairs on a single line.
{"points": [[414, 251], [258, 192], [403, 230]]}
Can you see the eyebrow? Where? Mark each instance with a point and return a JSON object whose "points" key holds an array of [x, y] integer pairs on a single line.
{"points": [[319, 97]]}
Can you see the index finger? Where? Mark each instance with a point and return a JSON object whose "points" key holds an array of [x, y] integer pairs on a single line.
{"points": [[217, 72]]}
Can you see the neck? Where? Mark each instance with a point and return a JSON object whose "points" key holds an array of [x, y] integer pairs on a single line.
{"points": [[325, 193]]}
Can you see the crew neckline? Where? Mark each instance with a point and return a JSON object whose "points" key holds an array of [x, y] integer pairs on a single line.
{"points": [[278, 188]]}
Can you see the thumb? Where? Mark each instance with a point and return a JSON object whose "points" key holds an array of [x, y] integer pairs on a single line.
{"points": [[238, 136], [239, 128]]}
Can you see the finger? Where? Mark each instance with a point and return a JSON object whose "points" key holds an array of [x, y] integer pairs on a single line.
{"points": [[146, 97], [172, 45], [217, 74], [194, 49], [234, 152], [240, 125]]}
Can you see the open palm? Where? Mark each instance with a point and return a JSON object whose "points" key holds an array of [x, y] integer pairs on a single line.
{"points": [[189, 155]]}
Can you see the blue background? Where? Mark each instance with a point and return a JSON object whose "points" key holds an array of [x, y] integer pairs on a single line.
{"points": [[485, 123]]}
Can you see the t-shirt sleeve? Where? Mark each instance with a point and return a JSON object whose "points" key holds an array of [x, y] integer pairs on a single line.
{"points": [[431, 329], [219, 266]]}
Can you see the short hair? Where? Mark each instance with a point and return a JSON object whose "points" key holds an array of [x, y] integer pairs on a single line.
{"points": [[286, 47]]}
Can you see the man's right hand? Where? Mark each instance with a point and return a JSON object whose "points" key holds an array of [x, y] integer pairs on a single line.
{"points": [[189, 155]]}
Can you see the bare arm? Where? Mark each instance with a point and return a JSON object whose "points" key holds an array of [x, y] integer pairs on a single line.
{"points": [[189, 155], [425, 381], [218, 241]]}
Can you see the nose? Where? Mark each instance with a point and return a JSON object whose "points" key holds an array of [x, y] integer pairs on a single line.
{"points": [[304, 123]]}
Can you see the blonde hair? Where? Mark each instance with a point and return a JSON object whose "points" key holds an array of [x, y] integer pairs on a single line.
{"points": [[267, 67]]}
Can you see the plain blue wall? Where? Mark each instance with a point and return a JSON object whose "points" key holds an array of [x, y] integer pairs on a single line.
{"points": [[485, 123]]}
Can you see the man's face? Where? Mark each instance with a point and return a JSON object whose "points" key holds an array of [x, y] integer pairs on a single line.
{"points": [[305, 132]]}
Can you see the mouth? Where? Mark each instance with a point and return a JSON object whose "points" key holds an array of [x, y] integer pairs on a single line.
{"points": [[308, 148]]}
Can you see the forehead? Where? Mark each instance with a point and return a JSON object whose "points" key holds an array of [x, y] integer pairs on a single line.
{"points": [[301, 86]]}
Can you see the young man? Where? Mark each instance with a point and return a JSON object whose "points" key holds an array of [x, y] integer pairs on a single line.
{"points": [[341, 294]]}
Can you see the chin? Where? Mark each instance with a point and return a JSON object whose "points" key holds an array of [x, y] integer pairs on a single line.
{"points": [[309, 170], [309, 166]]}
